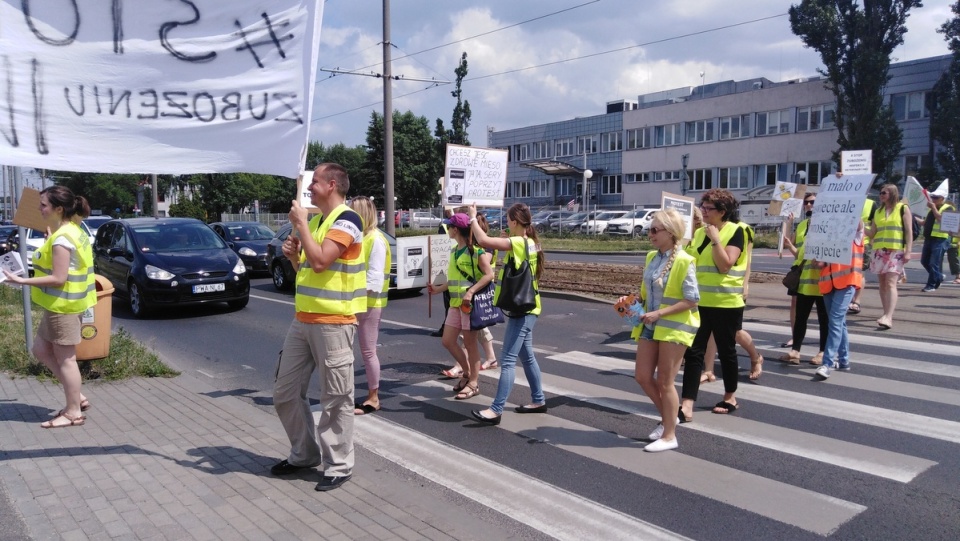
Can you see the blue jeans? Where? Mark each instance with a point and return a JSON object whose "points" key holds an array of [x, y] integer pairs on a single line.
{"points": [[838, 345], [518, 342], [932, 259]]}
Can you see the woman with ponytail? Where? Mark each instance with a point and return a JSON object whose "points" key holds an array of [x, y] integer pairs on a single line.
{"points": [[670, 321], [518, 336], [64, 286]]}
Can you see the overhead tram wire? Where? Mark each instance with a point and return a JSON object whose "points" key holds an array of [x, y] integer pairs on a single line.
{"points": [[592, 55]]}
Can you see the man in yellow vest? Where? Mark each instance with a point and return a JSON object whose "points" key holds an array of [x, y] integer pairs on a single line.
{"points": [[331, 288], [935, 241]]}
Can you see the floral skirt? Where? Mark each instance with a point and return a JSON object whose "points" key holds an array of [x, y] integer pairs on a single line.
{"points": [[886, 260]]}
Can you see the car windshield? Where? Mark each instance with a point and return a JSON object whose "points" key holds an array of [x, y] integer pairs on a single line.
{"points": [[176, 237], [609, 215], [635, 213], [249, 232], [94, 222], [542, 215], [577, 216]]}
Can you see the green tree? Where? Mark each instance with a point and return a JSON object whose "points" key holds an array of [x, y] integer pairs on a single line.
{"points": [[416, 169], [945, 104], [106, 192], [189, 208], [354, 160], [855, 45], [460, 121]]}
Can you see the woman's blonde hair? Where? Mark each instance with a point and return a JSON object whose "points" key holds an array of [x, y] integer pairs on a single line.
{"points": [[893, 193], [697, 218], [367, 211], [672, 223]]}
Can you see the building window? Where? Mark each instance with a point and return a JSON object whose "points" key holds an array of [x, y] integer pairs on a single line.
{"points": [[541, 188], [814, 170], [541, 150], [700, 131], [639, 138], [566, 186], [611, 142], [667, 176], [818, 117], [669, 135], [734, 127], [773, 122], [610, 184], [521, 152], [587, 144], [911, 106], [564, 147], [769, 174], [734, 178], [518, 190], [700, 179], [913, 163], [637, 177]]}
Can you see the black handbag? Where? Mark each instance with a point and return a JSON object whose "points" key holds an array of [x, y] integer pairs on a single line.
{"points": [[518, 295], [483, 313], [791, 280]]}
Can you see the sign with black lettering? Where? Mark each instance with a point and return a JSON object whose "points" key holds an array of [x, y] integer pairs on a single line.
{"points": [[173, 87], [836, 217], [682, 204], [474, 175]]}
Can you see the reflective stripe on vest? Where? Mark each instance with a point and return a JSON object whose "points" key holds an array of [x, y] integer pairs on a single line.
{"points": [[889, 233], [937, 232], [720, 290], [79, 291], [378, 299], [681, 327], [341, 289]]}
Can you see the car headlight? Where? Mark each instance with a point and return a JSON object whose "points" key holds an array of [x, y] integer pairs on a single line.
{"points": [[239, 268], [247, 252], [156, 273]]}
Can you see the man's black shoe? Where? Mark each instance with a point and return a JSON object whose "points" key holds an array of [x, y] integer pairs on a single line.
{"points": [[330, 483], [286, 468]]}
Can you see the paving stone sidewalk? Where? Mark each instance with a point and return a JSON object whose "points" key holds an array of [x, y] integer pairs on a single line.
{"points": [[171, 459]]}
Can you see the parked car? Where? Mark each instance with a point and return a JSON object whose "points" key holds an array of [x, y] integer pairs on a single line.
{"points": [[6, 231], [541, 221], [169, 262], [496, 218], [401, 218], [424, 220], [249, 240], [636, 223], [598, 224], [572, 222], [94, 223], [282, 271]]}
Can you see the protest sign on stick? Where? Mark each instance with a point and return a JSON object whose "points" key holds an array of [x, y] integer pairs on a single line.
{"points": [[474, 175], [682, 204], [836, 216], [439, 247]]}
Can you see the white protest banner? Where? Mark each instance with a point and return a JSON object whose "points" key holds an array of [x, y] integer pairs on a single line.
{"points": [[199, 86], [950, 222], [303, 191], [440, 246], [474, 175], [684, 205], [856, 162], [412, 268], [836, 215], [915, 198], [783, 191]]}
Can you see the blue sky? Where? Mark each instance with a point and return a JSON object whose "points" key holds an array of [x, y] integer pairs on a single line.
{"points": [[677, 40]]}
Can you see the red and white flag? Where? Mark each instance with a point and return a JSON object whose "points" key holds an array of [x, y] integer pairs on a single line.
{"points": [[571, 204]]}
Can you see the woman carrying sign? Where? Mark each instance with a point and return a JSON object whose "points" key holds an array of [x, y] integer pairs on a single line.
{"points": [[891, 230], [838, 283]]}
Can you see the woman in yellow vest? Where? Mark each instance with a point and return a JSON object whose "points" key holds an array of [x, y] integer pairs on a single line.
{"points": [[64, 286], [891, 231], [719, 248], [669, 323], [808, 294], [468, 272], [377, 258]]}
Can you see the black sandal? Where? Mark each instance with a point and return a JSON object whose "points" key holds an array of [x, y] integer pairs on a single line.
{"points": [[683, 417]]}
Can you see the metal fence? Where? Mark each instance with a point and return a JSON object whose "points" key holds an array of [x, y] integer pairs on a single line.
{"points": [[273, 221]]}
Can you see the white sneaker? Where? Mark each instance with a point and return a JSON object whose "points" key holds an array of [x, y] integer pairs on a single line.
{"points": [[824, 371], [657, 433], [661, 445]]}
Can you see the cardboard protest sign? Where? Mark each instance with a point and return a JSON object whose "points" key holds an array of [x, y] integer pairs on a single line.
{"points": [[915, 198], [950, 222], [474, 175], [684, 205], [440, 246], [28, 211], [856, 162], [177, 88], [412, 262], [836, 216]]}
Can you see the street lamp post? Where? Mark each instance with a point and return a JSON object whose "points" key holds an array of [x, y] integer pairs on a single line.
{"points": [[801, 176], [684, 160]]}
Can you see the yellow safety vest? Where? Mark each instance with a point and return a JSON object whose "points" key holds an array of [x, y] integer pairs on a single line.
{"points": [[79, 292], [458, 278], [720, 290], [937, 232], [868, 209], [378, 299], [680, 327], [889, 233], [515, 257], [341, 289], [810, 275]]}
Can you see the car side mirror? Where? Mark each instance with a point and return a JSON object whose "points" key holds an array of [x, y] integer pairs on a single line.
{"points": [[118, 252]]}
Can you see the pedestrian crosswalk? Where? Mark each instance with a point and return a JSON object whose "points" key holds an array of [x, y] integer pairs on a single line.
{"points": [[881, 433]]}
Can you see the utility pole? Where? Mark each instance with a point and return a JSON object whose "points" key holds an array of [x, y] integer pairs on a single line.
{"points": [[156, 198], [22, 231], [388, 201]]}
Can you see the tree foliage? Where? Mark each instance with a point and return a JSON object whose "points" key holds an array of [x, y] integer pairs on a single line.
{"points": [[855, 45], [945, 104], [415, 167], [460, 121], [362, 181]]}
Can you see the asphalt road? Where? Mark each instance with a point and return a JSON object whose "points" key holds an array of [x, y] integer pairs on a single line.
{"points": [[867, 454]]}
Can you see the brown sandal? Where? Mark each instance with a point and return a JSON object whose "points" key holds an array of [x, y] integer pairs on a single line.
{"points": [[461, 384], [792, 358], [469, 391], [74, 421], [84, 406]]}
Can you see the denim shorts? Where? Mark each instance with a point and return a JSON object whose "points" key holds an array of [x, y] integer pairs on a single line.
{"points": [[646, 334]]}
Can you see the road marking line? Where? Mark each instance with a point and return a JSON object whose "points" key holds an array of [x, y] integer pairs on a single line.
{"points": [[799, 507], [872, 340]]}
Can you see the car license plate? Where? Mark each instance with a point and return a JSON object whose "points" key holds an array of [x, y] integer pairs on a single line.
{"points": [[208, 288]]}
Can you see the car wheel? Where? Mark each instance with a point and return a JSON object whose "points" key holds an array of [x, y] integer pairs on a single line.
{"points": [[137, 305], [638, 231], [238, 303], [279, 277]]}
